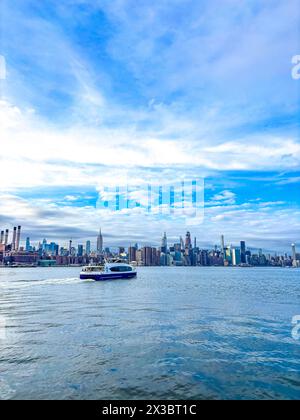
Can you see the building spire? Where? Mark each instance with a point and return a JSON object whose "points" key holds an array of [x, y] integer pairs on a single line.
{"points": [[100, 242]]}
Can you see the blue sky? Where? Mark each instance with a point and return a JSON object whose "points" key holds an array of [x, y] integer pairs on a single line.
{"points": [[101, 91]]}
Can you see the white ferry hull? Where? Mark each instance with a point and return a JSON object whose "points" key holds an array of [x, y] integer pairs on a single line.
{"points": [[107, 276]]}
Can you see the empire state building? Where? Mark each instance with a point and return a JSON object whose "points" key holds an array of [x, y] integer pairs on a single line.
{"points": [[100, 243]]}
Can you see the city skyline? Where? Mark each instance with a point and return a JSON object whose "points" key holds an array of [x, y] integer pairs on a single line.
{"points": [[183, 252], [218, 103], [12, 238]]}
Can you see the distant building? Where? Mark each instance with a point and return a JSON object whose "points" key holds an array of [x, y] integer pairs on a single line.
{"points": [[243, 252], [147, 256], [88, 248], [28, 246], [100, 243], [80, 251], [228, 255], [223, 245], [164, 244], [132, 254], [236, 256], [295, 260]]}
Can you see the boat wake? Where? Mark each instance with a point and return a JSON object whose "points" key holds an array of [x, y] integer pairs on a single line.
{"points": [[35, 283]]}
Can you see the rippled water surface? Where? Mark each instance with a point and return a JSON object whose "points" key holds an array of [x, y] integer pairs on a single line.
{"points": [[172, 333]]}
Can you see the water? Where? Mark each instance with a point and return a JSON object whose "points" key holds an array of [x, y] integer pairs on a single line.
{"points": [[173, 333]]}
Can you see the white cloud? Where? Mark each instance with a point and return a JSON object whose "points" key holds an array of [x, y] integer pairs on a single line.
{"points": [[206, 85], [223, 198], [260, 227], [34, 153]]}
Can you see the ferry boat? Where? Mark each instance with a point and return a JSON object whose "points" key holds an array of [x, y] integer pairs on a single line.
{"points": [[108, 271]]}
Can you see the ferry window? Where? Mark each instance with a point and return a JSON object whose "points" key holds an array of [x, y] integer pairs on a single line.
{"points": [[118, 269]]}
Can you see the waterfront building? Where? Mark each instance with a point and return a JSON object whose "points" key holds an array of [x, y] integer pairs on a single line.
{"points": [[181, 243], [28, 246], [139, 257], [228, 255], [147, 256], [295, 257], [6, 237], [163, 259], [155, 260], [21, 258], [223, 245], [88, 248], [203, 258], [236, 256], [132, 254], [188, 241], [80, 251], [243, 252]]}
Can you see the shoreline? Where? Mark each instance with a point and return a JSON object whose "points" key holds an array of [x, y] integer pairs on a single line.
{"points": [[153, 266]]}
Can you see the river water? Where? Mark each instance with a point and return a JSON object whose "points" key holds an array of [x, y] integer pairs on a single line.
{"points": [[172, 333]]}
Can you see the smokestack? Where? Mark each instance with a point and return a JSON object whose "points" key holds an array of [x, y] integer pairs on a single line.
{"points": [[6, 237], [18, 238], [2, 237], [14, 239]]}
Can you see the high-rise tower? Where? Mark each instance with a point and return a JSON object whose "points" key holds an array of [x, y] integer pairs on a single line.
{"points": [[223, 244], [188, 241], [28, 246], [294, 255], [164, 244], [243, 252], [18, 238], [100, 243], [6, 237], [88, 248]]}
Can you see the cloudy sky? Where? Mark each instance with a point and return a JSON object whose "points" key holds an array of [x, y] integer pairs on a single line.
{"points": [[97, 92]]}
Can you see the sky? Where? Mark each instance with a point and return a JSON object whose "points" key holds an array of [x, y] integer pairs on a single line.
{"points": [[101, 93]]}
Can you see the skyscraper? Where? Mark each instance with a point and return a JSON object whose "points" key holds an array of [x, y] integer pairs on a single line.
{"points": [[6, 237], [164, 244], [88, 247], [188, 241], [132, 252], [243, 252], [294, 256], [80, 251], [147, 256], [236, 256], [28, 246], [223, 244], [181, 243], [100, 243]]}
